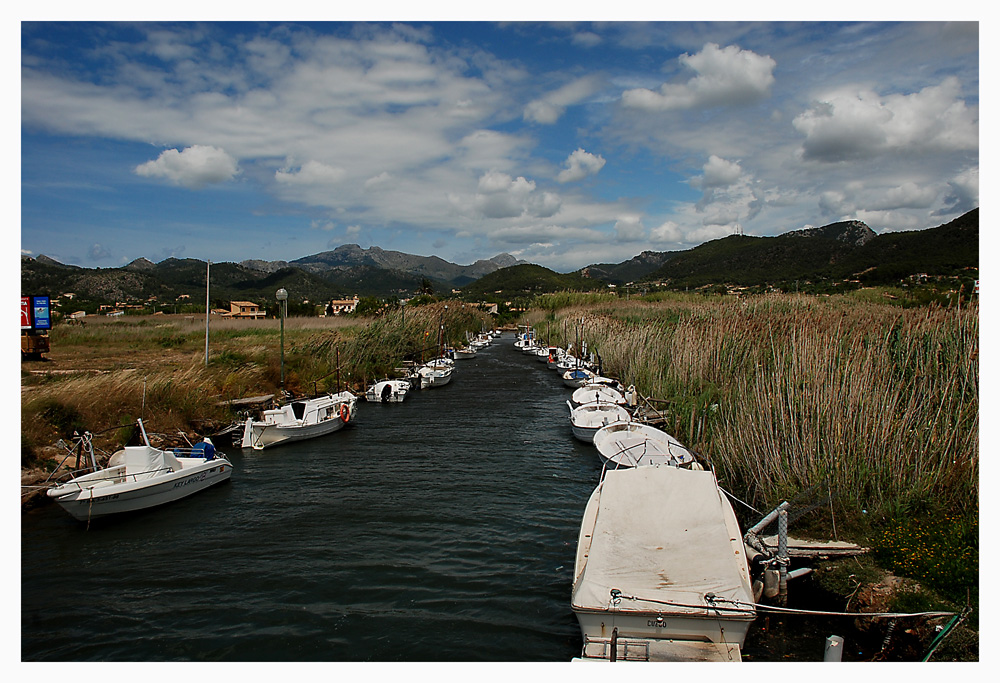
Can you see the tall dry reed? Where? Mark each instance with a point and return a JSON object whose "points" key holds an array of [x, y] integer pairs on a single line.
{"points": [[875, 403]]}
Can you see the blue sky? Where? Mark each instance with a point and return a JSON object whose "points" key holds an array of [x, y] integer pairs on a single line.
{"points": [[562, 143]]}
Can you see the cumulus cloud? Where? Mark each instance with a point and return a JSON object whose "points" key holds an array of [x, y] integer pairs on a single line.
{"points": [[667, 232], [501, 196], [579, 165], [629, 229], [725, 77], [859, 124], [550, 108], [193, 167], [963, 194], [909, 195], [720, 173]]}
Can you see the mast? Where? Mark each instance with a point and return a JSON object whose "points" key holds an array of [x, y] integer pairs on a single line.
{"points": [[208, 279]]}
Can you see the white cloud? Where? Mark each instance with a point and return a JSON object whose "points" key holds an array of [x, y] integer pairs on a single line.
{"points": [[551, 107], [630, 229], [909, 195], [500, 196], [586, 39], [854, 124], [963, 194], [667, 232], [725, 77], [720, 173], [579, 165], [544, 235], [193, 167], [313, 173]]}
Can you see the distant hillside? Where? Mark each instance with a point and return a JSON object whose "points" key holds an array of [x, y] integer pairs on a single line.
{"points": [[837, 251], [345, 271], [526, 280], [632, 270], [443, 274]]}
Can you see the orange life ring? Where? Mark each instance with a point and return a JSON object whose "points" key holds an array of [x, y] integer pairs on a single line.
{"points": [[345, 413]]}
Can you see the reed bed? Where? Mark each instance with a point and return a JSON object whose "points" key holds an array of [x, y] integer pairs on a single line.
{"points": [[875, 404]]}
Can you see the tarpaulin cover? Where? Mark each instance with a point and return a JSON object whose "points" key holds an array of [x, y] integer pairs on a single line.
{"points": [[661, 534]]}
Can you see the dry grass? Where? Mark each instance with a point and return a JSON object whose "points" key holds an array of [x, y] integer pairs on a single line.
{"points": [[111, 371]]}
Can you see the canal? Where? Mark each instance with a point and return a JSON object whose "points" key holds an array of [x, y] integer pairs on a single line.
{"points": [[440, 529]]}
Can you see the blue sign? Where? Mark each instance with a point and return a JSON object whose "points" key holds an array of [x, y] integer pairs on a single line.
{"points": [[40, 307]]}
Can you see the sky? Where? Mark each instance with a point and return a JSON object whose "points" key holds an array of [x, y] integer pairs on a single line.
{"points": [[562, 143]]}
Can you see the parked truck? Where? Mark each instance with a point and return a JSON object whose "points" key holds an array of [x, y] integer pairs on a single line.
{"points": [[36, 321]]}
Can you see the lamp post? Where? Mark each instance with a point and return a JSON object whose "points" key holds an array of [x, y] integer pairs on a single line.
{"points": [[282, 296]]}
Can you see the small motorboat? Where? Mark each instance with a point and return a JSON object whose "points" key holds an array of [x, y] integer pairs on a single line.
{"points": [[587, 419], [598, 393], [633, 444], [140, 477], [465, 353], [388, 391], [436, 373], [298, 420]]}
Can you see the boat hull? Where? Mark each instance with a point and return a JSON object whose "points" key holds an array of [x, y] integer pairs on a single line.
{"points": [[260, 435], [86, 503], [299, 420]]}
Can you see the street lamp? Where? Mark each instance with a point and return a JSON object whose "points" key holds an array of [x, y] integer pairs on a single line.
{"points": [[282, 296]]}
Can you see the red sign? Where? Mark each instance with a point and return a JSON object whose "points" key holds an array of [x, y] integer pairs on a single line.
{"points": [[25, 312]]}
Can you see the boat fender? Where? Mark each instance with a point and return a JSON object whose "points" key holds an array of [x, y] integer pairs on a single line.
{"points": [[345, 413]]}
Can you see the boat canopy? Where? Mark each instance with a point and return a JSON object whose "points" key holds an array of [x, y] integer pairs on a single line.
{"points": [[145, 462], [662, 536]]}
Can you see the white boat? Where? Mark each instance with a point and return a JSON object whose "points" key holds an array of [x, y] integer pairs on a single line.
{"points": [[577, 377], [661, 572], [465, 353], [634, 444], [587, 419], [298, 420], [436, 373], [603, 393], [388, 391], [141, 477]]}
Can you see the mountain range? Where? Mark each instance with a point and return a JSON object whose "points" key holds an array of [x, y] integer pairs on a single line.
{"points": [[838, 251]]}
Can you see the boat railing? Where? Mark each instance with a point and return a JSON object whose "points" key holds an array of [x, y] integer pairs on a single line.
{"points": [[116, 478]]}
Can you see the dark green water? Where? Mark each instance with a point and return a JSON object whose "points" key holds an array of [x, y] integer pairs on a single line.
{"points": [[440, 529]]}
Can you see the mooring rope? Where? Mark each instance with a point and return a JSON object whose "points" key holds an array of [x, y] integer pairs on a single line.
{"points": [[745, 607]]}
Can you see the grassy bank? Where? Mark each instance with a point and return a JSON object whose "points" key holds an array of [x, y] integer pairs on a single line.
{"points": [[868, 404], [109, 372]]}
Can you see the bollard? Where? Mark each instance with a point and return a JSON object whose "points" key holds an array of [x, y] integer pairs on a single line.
{"points": [[834, 649]]}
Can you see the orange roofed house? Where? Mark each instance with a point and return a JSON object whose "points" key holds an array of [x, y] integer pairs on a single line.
{"points": [[245, 309]]}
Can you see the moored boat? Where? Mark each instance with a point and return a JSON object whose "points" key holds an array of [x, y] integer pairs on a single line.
{"points": [[301, 419], [141, 477], [598, 393], [661, 572], [634, 444], [388, 391], [587, 419], [436, 373]]}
